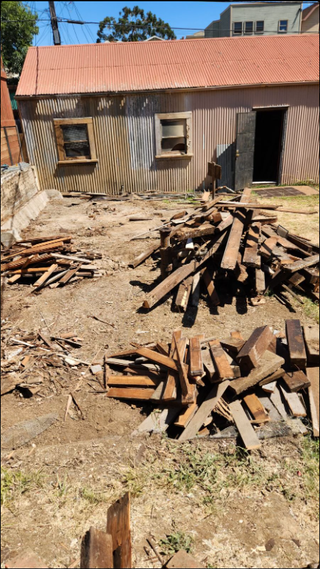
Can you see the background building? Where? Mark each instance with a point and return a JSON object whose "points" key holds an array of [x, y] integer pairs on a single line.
{"points": [[151, 115], [259, 18]]}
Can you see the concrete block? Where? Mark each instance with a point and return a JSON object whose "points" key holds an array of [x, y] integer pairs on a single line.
{"points": [[9, 237], [55, 195]]}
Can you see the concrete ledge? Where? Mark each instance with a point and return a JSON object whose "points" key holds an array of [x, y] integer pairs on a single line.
{"points": [[11, 228]]}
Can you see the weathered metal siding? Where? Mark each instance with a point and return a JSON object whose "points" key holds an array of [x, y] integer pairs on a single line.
{"points": [[125, 137]]}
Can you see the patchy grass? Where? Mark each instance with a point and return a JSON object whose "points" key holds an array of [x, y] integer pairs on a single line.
{"points": [[175, 542], [16, 483], [310, 454], [311, 308], [91, 496]]}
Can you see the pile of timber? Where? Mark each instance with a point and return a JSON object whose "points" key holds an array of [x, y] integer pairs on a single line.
{"points": [[204, 386], [50, 261], [231, 246]]}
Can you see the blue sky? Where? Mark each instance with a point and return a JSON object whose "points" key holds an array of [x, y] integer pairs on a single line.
{"points": [[195, 15]]}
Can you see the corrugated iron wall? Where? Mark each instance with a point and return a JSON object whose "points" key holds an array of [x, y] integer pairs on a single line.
{"points": [[124, 133]]}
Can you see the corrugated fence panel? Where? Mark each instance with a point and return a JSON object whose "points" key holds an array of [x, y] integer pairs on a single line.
{"points": [[124, 132]]}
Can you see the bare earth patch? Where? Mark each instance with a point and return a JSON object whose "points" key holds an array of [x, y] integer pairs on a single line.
{"points": [[258, 510]]}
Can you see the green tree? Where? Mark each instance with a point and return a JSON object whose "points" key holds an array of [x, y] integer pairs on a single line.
{"points": [[134, 25], [18, 26]]}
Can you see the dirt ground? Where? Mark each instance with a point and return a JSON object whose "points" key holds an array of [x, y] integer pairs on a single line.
{"points": [[255, 511]]}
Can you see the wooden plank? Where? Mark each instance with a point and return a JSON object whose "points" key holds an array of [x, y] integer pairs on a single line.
{"points": [[276, 400], [232, 345], [230, 256], [299, 265], [158, 392], [130, 393], [158, 358], [269, 387], [251, 352], [220, 360], [185, 233], [183, 294], [157, 422], [269, 363], [170, 391], [186, 415], [311, 338], [132, 380], [195, 291], [297, 409], [267, 247], [204, 411], [260, 281], [179, 275], [270, 408], [244, 426], [96, 549], [45, 276], [256, 408], [296, 380], [296, 345], [196, 365], [162, 348], [118, 525], [66, 278], [143, 256], [187, 393], [313, 392], [9, 382], [250, 256], [208, 278]]}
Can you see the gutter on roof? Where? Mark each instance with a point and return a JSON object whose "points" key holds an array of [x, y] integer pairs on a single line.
{"points": [[167, 90]]}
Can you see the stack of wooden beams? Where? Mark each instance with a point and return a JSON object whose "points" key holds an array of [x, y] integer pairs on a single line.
{"points": [[202, 385], [231, 244], [52, 262]]}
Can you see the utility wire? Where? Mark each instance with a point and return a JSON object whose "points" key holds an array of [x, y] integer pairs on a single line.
{"points": [[66, 21]]}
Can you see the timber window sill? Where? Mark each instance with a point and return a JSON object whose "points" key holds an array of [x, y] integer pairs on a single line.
{"points": [[173, 156], [84, 161]]}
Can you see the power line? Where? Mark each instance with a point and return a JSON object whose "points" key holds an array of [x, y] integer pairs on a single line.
{"points": [[66, 21]]}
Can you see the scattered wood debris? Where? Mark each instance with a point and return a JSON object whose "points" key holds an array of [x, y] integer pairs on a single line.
{"points": [[51, 262], [203, 386], [232, 246]]}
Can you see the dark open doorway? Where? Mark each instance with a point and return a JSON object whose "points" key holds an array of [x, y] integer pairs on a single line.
{"points": [[268, 145]]}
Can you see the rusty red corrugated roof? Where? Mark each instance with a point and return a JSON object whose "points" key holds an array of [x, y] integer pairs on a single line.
{"points": [[175, 64]]}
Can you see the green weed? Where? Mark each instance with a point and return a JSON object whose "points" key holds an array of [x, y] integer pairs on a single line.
{"points": [[92, 496], [14, 484], [175, 542]]}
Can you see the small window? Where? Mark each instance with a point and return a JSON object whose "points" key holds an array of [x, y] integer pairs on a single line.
{"points": [[173, 135], [237, 28], [283, 26], [260, 27], [249, 27], [75, 141]]}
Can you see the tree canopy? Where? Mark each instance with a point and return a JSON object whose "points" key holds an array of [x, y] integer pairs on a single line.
{"points": [[18, 26], [133, 25]]}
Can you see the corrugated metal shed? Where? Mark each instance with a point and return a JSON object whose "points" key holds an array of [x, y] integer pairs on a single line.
{"points": [[176, 64]]}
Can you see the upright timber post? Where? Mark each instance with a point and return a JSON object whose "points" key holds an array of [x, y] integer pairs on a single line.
{"points": [[165, 253], [214, 170], [54, 24]]}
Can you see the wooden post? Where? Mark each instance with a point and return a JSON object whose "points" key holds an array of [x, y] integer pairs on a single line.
{"points": [[165, 252]]}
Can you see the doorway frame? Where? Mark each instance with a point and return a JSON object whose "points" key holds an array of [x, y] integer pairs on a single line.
{"points": [[283, 133]]}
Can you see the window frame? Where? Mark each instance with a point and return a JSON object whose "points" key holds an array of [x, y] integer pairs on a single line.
{"points": [[233, 29], [245, 26], [62, 157], [259, 31], [279, 25], [187, 116]]}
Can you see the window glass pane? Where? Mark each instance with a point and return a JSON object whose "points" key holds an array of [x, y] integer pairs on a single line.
{"points": [[237, 27], [283, 24], [173, 128], [249, 27], [76, 149], [260, 26], [74, 132]]}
